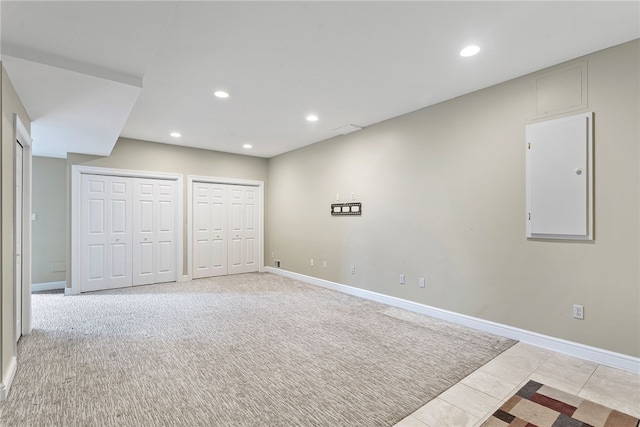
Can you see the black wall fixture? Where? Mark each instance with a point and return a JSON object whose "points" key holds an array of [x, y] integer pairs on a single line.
{"points": [[346, 209]]}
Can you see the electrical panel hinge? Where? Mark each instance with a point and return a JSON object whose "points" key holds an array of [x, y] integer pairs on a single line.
{"points": [[529, 146], [529, 216]]}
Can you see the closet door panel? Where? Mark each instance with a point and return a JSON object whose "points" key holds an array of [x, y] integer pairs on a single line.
{"points": [[250, 251], [154, 231], [165, 257], [105, 232], [251, 229], [95, 264], [219, 256], [165, 232], [209, 230], [119, 261], [144, 231], [202, 256]]}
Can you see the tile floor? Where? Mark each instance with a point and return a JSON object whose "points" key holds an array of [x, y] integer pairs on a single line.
{"points": [[476, 397]]}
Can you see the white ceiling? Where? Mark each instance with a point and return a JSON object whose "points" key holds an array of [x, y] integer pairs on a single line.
{"points": [[88, 72]]}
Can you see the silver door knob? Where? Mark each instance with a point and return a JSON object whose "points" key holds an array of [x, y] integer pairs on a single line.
{"points": [[578, 171], [146, 238]]}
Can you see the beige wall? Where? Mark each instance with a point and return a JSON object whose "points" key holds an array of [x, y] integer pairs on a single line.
{"points": [[11, 104], [443, 194], [48, 242], [164, 158]]}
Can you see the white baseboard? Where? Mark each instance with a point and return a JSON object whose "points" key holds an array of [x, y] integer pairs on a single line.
{"points": [[72, 291], [598, 355], [49, 286], [5, 387]]}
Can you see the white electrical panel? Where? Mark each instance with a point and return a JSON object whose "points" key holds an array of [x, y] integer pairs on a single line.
{"points": [[559, 162]]}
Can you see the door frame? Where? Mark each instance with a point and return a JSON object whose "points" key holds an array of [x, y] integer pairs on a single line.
{"points": [[76, 213], [22, 136], [18, 217], [230, 181]]}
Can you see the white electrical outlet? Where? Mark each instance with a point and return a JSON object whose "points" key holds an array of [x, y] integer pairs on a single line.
{"points": [[402, 279], [324, 264], [578, 311], [311, 262], [353, 196], [421, 282], [353, 269]]}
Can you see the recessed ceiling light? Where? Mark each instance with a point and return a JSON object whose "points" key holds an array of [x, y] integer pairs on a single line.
{"points": [[469, 51], [247, 146], [175, 134], [221, 94], [312, 118]]}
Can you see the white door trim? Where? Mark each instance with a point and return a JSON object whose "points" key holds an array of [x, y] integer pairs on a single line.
{"points": [[25, 140], [18, 206], [20, 134], [76, 178], [219, 180]]}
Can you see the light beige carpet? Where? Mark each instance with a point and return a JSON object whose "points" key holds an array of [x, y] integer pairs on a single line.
{"points": [[245, 350]]}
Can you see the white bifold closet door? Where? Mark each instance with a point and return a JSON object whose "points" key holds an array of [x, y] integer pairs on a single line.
{"points": [[128, 231], [154, 246], [106, 232], [243, 229], [225, 229], [209, 230]]}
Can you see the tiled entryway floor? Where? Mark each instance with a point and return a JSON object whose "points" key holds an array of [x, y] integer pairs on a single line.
{"points": [[476, 397]]}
